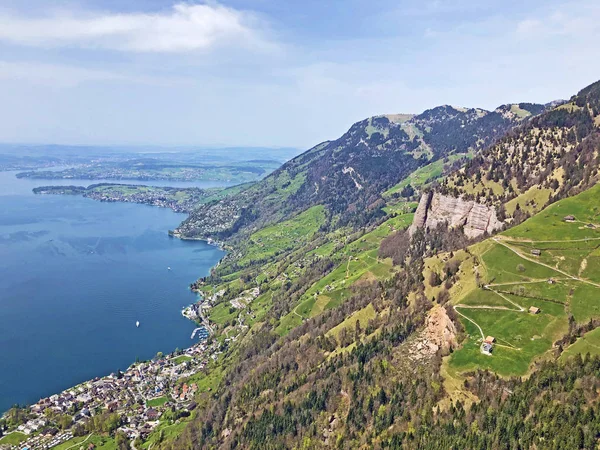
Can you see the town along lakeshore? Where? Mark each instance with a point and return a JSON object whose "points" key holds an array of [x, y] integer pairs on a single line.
{"points": [[75, 276]]}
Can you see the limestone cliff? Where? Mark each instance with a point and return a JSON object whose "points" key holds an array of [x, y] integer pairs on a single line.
{"points": [[435, 209]]}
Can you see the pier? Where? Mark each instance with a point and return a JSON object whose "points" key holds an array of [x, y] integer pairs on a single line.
{"points": [[201, 331]]}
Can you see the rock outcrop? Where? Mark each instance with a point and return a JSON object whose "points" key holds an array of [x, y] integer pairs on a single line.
{"points": [[439, 334], [435, 209]]}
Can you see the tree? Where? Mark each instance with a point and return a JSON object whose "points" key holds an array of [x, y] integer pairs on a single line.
{"points": [[407, 191]]}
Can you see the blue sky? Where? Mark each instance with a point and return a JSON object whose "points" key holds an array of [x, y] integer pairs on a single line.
{"points": [[275, 72]]}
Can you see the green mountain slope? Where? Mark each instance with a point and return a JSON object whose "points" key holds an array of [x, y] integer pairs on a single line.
{"points": [[362, 373], [348, 175], [340, 329]]}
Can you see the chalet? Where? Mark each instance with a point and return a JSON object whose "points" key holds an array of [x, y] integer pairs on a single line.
{"points": [[534, 310], [490, 340], [536, 252], [569, 218], [486, 348]]}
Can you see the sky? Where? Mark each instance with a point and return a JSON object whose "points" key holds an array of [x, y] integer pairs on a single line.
{"points": [[275, 72]]}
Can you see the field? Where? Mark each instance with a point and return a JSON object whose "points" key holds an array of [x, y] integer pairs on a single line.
{"points": [[531, 200], [361, 316], [157, 402], [359, 261], [283, 236], [424, 175], [545, 262], [100, 443], [181, 359], [588, 343], [13, 438]]}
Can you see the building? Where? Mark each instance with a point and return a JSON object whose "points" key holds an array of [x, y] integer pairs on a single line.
{"points": [[569, 218], [490, 340], [536, 252], [534, 310], [152, 414], [486, 348]]}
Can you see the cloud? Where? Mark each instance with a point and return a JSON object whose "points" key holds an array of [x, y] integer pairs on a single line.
{"points": [[66, 76], [581, 21], [183, 28]]}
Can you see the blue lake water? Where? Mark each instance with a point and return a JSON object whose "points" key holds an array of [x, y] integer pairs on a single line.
{"points": [[75, 275]]}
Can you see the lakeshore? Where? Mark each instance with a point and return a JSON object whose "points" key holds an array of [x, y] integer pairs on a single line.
{"points": [[118, 253], [132, 402]]}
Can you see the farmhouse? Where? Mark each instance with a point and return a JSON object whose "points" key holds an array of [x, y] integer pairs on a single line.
{"points": [[569, 218], [536, 252], [534, 310]]}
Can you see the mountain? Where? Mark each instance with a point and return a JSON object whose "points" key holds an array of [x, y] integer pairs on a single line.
{"points": [[553, 155], [365, 335], [422, 282], [348, 175]]}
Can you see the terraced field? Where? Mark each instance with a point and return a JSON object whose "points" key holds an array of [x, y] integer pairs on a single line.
{"points": [[283, 236], [359, 262], [547, 263]]}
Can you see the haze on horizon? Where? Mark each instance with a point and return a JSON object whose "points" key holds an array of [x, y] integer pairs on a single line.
{"points": [[275, 73]]}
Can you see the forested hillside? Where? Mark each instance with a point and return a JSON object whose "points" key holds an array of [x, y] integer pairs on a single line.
{"points": [[549, 157], [340, 329], [349, 175]]}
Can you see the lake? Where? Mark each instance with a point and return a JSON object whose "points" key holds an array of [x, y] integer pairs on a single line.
{"points": [[76, 275]]}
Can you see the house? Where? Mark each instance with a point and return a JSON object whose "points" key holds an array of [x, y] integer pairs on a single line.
{"points": [[490, 339], [551, 281], [112, 406], [486, 348], [536, 252], [569, 218], [152, 414], [534, 310]]}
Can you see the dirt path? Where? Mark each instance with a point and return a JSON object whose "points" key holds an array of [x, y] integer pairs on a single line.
{"points": [[529, 241], [79, 443], [512, 283], [470, 320], [582, 266], [583, 280], [519, 307]]}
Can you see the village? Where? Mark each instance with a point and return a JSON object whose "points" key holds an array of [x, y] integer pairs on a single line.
{"points": [[135, 400]]}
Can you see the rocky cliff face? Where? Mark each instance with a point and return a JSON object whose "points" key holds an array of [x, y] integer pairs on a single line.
{"points": [[435, 209]]}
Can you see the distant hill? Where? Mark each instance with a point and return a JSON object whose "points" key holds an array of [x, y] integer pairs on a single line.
{"points": [[349, 174]]}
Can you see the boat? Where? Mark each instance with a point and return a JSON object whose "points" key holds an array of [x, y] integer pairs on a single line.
{"points": [[137, 323], [168, 268]]}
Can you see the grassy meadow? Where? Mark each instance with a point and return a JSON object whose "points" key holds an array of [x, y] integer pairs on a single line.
{"points": [[561, 281]]}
